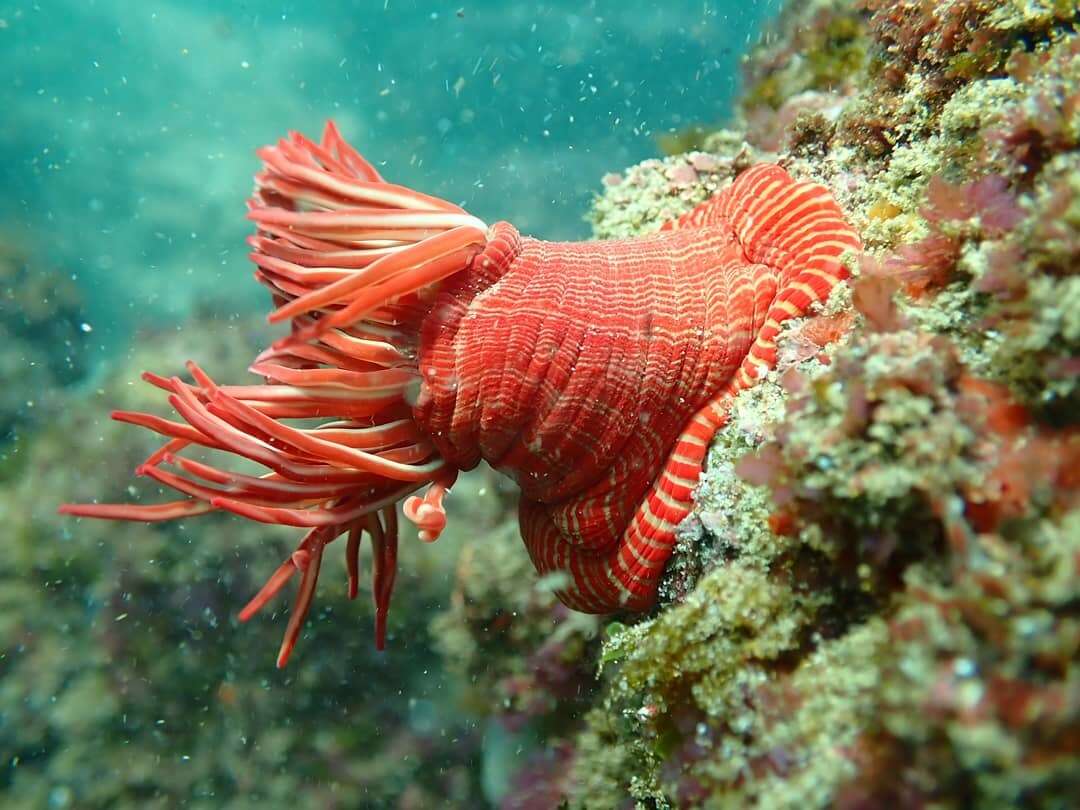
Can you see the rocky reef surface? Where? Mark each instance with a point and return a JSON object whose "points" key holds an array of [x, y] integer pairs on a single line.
{"points": [[875, 604], [877, 600]]}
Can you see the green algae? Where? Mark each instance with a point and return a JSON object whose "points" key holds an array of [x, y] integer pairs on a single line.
{"points": [[1036, 305], [647, 195]]}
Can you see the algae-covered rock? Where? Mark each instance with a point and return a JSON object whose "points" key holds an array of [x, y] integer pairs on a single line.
{"points": [[647, 195], [875, 602]]}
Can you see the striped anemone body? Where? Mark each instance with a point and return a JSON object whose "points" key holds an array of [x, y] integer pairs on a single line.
{"points": [[423, 342], [574, 367]]}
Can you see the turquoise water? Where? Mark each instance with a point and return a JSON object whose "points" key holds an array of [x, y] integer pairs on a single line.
{"points": [[129, 128]]}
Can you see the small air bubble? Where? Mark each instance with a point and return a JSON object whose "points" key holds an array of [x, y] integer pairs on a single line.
{"points": [[86, 327]]}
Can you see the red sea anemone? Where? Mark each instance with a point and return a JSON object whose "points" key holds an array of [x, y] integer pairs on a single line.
{"points": [[423, 341]]}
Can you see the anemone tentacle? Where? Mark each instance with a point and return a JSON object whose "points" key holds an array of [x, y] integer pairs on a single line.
{"points": [[331, 233]]}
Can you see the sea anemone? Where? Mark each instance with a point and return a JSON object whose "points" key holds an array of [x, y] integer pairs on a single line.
{"points": [[423, 342]]}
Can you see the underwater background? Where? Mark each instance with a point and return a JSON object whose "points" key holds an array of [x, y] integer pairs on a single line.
{"points": [[129, 133], [877, 600]]}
